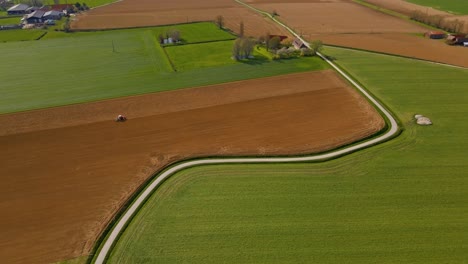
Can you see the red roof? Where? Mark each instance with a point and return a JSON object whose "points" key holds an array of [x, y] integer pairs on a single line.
{"points": [[279, 36], [60, 7], [435, 33]]}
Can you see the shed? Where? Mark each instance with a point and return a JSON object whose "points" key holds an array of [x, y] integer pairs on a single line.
{"points": [[18, 9], [298, 44], [435, 35]]}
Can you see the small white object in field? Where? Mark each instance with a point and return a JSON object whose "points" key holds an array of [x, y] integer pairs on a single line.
{"points": [[422, 120]]}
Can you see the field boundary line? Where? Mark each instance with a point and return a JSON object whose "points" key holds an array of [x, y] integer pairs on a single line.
{"points": [[110, 239]]}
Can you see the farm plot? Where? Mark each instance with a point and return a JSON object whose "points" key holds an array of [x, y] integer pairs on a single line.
{"points": [[196, 56], [66, 171], [20, 35], [108, 64], [195, 32], [400, 202], [345, 23], [137, 13]]}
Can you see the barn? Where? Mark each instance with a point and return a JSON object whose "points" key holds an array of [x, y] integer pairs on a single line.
{"points": [[435, 35], [19, 9]]}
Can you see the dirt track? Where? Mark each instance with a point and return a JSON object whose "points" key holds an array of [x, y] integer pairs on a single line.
{"points": [[345, 23], [137, 13], [61, 185]]}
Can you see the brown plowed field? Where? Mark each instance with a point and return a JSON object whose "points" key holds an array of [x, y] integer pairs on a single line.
{"points": [[407, 8], [137, 13], [402, 44], [64, 176], [345, 23]]}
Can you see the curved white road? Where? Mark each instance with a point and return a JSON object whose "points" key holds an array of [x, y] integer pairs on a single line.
{"points": [[125, 218]]}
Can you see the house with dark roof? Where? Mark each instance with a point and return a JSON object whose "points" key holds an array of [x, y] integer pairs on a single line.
{"points": [[52, 15], [435, 35], [298, 44], [19, 9], [35, 17]]}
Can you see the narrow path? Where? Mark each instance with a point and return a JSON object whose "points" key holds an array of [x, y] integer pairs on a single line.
{"points": [[103, 252]]}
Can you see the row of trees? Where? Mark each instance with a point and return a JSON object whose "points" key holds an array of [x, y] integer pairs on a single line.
{"points": [[438, 21]]}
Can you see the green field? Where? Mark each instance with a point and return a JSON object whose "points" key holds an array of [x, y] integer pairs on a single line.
{"points": [[83, 67], [195, 56], [10, 21], [452, 6], [20, 35], [211, 54], [404, 201], [196, 32]]}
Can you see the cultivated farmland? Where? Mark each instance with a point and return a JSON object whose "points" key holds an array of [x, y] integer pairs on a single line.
{"points": [[400, 202], [83, 67], [136, 13], [346, 23], [94, 164]]}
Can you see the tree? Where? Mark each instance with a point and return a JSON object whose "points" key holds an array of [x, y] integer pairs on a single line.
{"points": [[174, 34], [220, 21], [243, 48], [267, 41], [161, 38], [274, 43], [316, 46], [241, 29], [236, 49], [247, 47], [306, 52]]}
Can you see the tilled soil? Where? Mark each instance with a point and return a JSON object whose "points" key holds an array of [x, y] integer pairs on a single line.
{"points": [[137, 13], [67, 174]]}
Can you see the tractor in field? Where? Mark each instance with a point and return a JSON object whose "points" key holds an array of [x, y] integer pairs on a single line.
{"points": [[121, 118]]}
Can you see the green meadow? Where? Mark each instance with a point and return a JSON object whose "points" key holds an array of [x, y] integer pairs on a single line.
{"points": [[14, 35], [452, 6], [404, 201], [10, 21], [62, 69]]}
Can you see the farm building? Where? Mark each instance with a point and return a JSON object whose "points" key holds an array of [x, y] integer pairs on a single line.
{"points": [[35, 17], [457, 39], [18, 9], [53, 15], [298, 44], [435, 35]]}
